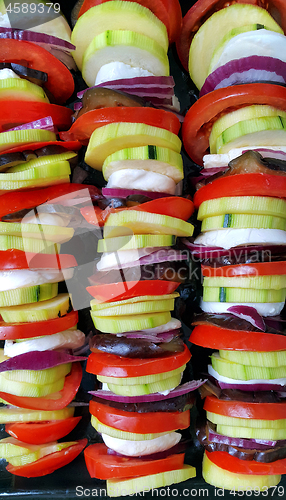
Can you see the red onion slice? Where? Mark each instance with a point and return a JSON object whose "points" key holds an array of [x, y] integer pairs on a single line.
{"points": [[124, 193], [140, 82], [205, 252], [43, 124], [157, 339], [38, 360], [245, 70], [249, 314], [179, 391], [35, 37], [59, 48], [249, 444], [270, 153], [77, 106]]}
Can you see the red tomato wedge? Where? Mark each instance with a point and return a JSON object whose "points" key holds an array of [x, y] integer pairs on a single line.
{"points": [[214, 337], [60, 81], [69, 145], [19, 259], [110, 365], [203, 9], [173, 206], [15, 331], [127, 289], [18, 200], [83, 127], [168, 11], [252, 184], [140, 423], [201, 116], [101, 465], [42, 432], [256, 269], [233, 464], [55, 401], [95, 215], [49, 463], [239, 409], [15, 113]]}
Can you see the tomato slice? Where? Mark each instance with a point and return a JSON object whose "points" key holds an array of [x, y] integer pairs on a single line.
{"points": [[49, 463], [256, 184], [55, 401], [233, 464], [127, 289], [69, 145], [19, 259], [101, 465], [173, 206], [140, 423], [14, 113], [240, 409], [214, 337], [168, 11], [205, 111], [15, 331], [256, 269], [110, 365], [83, 127], [42, 432], [18, 200], [60, 81], [95, 215]]}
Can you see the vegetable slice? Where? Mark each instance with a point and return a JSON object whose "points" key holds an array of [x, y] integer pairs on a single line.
{"points": [[102, 465], [41, 432], [49, 463]]}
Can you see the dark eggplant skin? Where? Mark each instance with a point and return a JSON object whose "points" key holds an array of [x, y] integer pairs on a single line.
{"points": [[134, 347], [180, 403], [231, 322], [211, 389], [266, 456], [249, 162]]}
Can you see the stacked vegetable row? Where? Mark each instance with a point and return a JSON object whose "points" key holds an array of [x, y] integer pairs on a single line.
{"points": [[242, 246], [39, 378], [138, 355]]}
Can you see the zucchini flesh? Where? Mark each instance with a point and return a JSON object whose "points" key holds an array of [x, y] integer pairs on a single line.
{"points": [[267, 359], [240, 371], [47, 309], [224, 479], [116, 433], [135, 485], [28, 295]]}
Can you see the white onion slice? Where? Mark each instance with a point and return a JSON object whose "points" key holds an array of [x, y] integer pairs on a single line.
{"points": [[67, 339], [263, 308], [19, 278], [228, 238], [227, 380], [146, 447], [141, 179], [115, 260]]}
